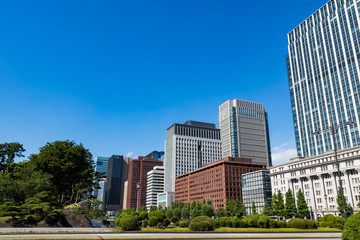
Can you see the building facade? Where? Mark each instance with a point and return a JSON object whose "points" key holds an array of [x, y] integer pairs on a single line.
{"points": [[155, 185], [217, 181], [323, 71], [256, 187], [165, 199], [157, 155], [189, 146], [318, 179], [101, 166], [117, 174], [244, 131], [138, 169]]}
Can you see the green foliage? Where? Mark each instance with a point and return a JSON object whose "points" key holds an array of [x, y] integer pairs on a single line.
{"points": [[220, 213], [325, 224], [253, 208], [351, 228], [221, 221], [207, 210], [129, 223], [263, 221], [340, 205], [331, 221], [143, 215], [202, 223], [70, 166], [194, 213], [185, 213], [169, 214], [174, 219], [273, 223], [8, 152], [302, 206], [165, 222], [290, 208], [278, 205], [297, 223], [184, 223], [158, 214], [310, 224], [153, 221], [177, 213], [266, 210]]}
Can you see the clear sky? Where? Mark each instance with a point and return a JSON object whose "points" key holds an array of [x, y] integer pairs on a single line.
{"points": [[114, 75]]}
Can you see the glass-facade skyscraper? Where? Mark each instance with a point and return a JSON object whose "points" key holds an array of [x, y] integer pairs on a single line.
{"points": [[323, 71]]}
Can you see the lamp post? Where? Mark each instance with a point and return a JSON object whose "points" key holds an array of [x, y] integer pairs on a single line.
{"points": [[137, 196], [333, 129]]}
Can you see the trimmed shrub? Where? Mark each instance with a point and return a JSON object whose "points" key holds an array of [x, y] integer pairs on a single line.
{"points": [[145, 223], [228, 222], [129, 223], [158, 214], [281, 224], [273, 223], [202, 223], [297, 223], [143, 215], [221, 221], [234, 223], [351, 228], [328, 218], [165, 222], [174, 220], [325, 224], [310, 224], [153, 221], [252, 223], [184, 223], [263, 222], [242, 223]]}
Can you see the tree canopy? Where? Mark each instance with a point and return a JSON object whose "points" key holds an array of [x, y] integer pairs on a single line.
{"points": [[8, 152]]}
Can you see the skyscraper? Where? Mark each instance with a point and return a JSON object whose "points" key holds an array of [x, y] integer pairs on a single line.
{"points": [[244, 131], [101, 166], [155, 185], [323, 72], [117, 174], [189, 146]]}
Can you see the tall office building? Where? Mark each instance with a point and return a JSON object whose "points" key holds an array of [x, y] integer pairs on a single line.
{"points": [[244, 131], [323, 72], [189, 146], [117, 174], [101, 165], [157, 155], [155, 185], [138, 169]]}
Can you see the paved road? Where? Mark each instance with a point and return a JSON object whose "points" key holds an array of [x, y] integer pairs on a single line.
{"points": [[253, 236]]}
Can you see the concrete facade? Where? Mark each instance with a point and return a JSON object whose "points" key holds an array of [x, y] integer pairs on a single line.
{"points": [[155, 185]]}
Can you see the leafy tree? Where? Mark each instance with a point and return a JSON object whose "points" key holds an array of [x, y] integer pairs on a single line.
{"points": [[194, 213], [302, 205], [266, 210], [177, 213], [169, 214], [239, 209], [220, 213], [185, 213], [8, 152], [193, 205], [207, 210], [340, 205], [208, 202], [253, 208], [71, 167], [290, 208], [230, 207]]}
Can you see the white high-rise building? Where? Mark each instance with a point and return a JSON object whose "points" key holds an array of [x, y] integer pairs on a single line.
{"points": [[189, 146], [155, 185], [244, 131], [323, 71]]}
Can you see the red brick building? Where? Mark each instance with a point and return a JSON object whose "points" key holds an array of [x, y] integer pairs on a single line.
{"points": [[138, 169], [217, 181]]}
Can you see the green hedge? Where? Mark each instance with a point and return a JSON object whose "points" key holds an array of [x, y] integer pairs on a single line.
{"points": [[352, 228], [202, 223]]}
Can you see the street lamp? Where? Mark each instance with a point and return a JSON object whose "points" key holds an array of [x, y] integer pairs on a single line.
{"points": [[137, 196], [334, 129]]}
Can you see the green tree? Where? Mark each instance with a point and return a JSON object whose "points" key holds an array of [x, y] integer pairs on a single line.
{"points": [[239, 209], [340, 205], [220, 213], [207, 210], [278, 204], [302, 206], [8, 152], [71, 167], [230, 207], [290, 208], [177, 213], [194, 213], [169, 214], [253, 208], [185, 213], [266, 210]]}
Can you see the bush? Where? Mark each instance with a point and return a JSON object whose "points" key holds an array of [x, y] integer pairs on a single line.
{"points": [[165, 222], [351, 228], [325, 224], [228, 222], [328, 218], [145, 223], [184, 223], [159, 225], [263, 222], [281, 224], [153, 221], [158, 214], [234, 223], [174, 220], [297, 223], [310, 224], [202, 223], [129, 223], [273, 223]]}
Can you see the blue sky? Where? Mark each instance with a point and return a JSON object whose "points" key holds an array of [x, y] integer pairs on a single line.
{"points": [[114, 75]]}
